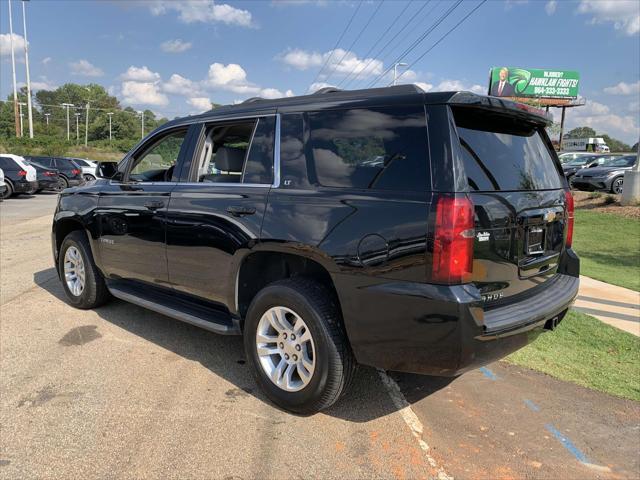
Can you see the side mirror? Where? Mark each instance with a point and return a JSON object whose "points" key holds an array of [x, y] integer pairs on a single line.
{"points": [[106, 169]]}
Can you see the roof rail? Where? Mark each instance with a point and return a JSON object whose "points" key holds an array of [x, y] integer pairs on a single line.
{"points": [[252, 99], [324, 90]]}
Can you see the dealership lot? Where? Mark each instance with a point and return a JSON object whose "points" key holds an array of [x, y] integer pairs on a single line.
{"points": [[124, 391]]}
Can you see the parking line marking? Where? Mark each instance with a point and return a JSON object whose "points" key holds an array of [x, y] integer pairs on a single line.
{"points": [[411, 419], [531, 405], [488, 373], [575, 451]]}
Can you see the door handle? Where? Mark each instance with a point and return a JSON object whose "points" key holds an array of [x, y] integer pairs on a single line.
{"points": [[238, 211], [154, 204]]}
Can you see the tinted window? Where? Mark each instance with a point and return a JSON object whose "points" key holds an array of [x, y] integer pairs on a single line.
{"points": [[627, 161], [7, 164], [259, 165], [154, 163], [501, 153], [376, 148], [293, 161]]}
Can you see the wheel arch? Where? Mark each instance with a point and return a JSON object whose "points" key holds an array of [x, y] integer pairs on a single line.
{"points": [[262, 266], [62, 228]]}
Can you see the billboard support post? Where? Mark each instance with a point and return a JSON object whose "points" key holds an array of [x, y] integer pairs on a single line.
{"points": [[561, 126]]}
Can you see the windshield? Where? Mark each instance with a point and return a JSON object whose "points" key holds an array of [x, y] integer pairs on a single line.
{"points": [[628, 161], [576, 162]]}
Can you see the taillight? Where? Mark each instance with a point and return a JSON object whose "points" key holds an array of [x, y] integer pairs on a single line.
{"points": [[453, 240], [569, 205], [49, 174], [75, 171], [22, 173]]}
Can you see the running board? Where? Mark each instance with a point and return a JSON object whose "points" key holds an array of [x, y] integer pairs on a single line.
{"points": [[209, 318]]}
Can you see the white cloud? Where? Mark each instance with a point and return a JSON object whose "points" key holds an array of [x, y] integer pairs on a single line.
{"points": [[43, 84], [624, 14], [143, 93], [550, 7], [202, 104], [339, 61], [314, 87], [623, 88], [206, 11], [179, 85], [46, 60], [424, 86], [175, 46], [85, 68], [274, 93], [5, 44], [140, 74], [599, 117], [453, 85]]}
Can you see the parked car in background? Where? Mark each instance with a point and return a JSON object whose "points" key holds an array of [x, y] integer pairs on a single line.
{"points": [[584, 161], [69, 172], [48, 178], [568, 156], [608, 177], [329, 232], [3, 186], [88, 168], [19, 177]]}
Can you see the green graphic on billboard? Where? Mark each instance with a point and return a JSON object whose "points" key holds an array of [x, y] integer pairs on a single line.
{"points": [[533, 83]]}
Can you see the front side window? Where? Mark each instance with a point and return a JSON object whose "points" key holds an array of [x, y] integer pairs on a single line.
{"points": [[374, 148], [238, 152], [156, 163]]}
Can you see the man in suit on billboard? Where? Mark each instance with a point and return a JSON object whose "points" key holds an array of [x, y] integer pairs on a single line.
{"points": [[502, 87]]}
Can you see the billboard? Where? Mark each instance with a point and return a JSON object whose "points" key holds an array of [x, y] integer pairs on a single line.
{"points": [[533, 83]]}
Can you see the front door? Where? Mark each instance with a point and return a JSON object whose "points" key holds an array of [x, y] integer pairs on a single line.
{"points": [[218, 209], [132, 211]]}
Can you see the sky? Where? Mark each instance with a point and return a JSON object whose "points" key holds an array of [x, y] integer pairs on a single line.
{"points": [[174, 58]]}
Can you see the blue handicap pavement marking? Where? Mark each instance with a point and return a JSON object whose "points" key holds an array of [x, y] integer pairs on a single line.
{"points": [[568, 444], [488, 373], [532, 406]]}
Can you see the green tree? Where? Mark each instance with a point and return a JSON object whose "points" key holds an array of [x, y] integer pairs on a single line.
{"points": [[581, 132]]}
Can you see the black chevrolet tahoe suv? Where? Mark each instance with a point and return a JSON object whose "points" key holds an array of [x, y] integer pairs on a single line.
{"points": [[410, 231]]}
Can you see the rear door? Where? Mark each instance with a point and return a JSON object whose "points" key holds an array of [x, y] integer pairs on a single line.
{"points": [[517, 188], [218, 206]]}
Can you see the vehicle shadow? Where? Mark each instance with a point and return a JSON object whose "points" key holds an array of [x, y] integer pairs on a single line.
{"points": [[224, 356]]}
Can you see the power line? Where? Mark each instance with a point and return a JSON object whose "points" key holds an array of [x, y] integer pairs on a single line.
{"points": [[417, 42], [444, 36], [338, 42], [350, 49], [376, 44], [379, 52]]}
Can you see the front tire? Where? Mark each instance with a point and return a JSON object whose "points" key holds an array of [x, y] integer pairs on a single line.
{"points": [[83, 283], [298, 318], [616, 185], [9, 190]]}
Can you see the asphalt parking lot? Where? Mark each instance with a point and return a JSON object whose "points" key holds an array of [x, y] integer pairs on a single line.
{"points": [[124, 392]]}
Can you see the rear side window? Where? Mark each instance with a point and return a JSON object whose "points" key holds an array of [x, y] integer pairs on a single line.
{"points": [[501, 153], [259, 165], [7, 164], [374, 148]]}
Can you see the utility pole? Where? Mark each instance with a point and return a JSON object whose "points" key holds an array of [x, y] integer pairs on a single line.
{"points": [[110, 114], [20, 105], [86, 127], [67, 105], [26, 61], [395, 70], [77, 129], [631, 185], [142, 118], [16, 115]]}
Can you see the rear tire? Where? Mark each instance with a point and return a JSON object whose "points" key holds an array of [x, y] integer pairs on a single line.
{"points": [[62, 183], [9, 191], [88, 177], [330, 366], [83, 283]]}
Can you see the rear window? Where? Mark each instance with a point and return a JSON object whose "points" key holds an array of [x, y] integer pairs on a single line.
{"points": [[372, 148], [502, 153]]}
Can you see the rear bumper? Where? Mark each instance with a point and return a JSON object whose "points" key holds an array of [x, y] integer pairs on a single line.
{"points": [[48, 184], [21, 187], [75, 182], [445, 330], [590, 185]]}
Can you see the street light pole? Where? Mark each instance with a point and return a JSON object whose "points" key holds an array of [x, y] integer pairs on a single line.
{"points": [[110, 114], [16, 115], [395, 70], [20, 105], [77, 129], [26, 61], [86, 127], [67, 105], [46, 116]]}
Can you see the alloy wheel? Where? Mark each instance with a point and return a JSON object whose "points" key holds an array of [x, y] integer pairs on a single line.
{"points": [[285, 348], [617, 185], [74, 274]]}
